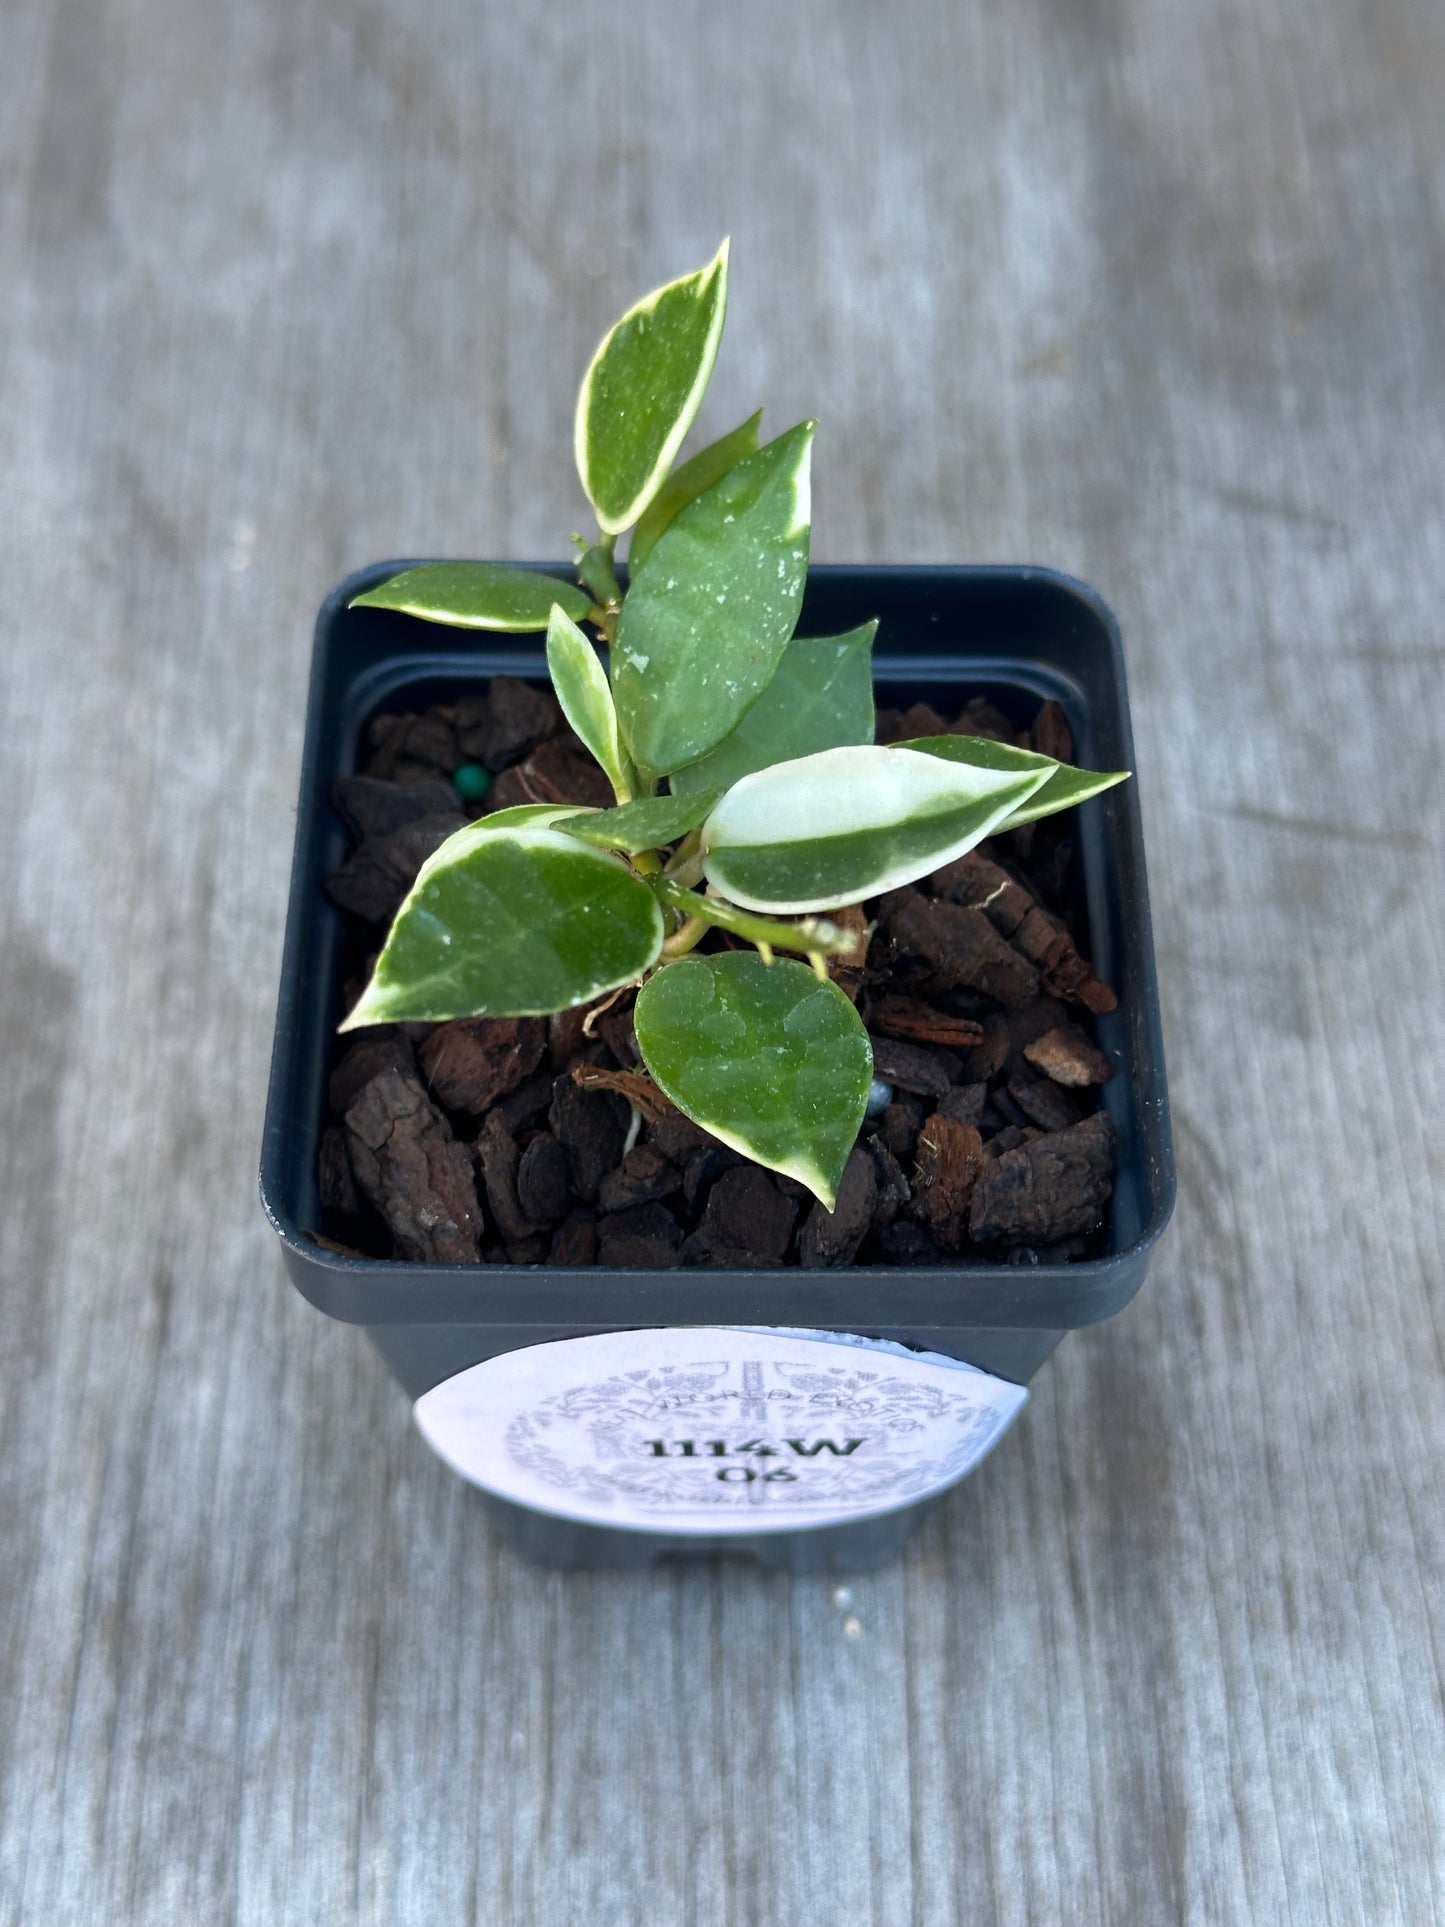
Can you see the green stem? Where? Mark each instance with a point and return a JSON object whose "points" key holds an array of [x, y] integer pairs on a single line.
{"points": [[685, 865], [813, 936], [686, 937], [688, 873], [598, 575]]}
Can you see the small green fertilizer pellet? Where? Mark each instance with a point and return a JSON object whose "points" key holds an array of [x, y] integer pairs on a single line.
{"points": [[472, 782]]}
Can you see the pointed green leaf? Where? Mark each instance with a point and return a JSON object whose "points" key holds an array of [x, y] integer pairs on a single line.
{"points": [[537, 815], [586, 697], [686, 483], [1065, 787], [643, 388], [707, 621], [476, 595], [647, 824], [820, 698], [834, 828], [765, 1056], [516, 922]]}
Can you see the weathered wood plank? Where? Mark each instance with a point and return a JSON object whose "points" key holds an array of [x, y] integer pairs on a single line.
{"points": [[1149, 292]]}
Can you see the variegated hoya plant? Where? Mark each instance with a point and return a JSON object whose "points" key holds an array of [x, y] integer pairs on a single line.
{"points": [[750, 794]]}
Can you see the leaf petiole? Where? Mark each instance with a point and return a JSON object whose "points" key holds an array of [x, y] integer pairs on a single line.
{"points": [[597, 574], [686, 937], [812, 936], [685, 864]]}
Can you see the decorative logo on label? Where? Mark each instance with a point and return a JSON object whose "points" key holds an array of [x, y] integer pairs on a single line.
{"points": [[716, 1430]]}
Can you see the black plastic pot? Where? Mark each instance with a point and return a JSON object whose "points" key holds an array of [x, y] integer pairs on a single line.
{"points": [[1016, 635]]}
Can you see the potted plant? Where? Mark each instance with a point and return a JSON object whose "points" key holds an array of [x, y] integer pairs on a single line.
{"points": [[783, 992]]}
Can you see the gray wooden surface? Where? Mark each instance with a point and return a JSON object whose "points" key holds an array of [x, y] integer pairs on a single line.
{"points": [[1150, 291]]}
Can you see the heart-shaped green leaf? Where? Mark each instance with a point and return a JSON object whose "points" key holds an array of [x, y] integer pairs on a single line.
{"points": [[765, 1056], [707, 621], [1065, 787], [821, 697], [476, 595], [515, 922], [643, 388], [647, 824], [586, 698], [831, 829], [686, 483]]}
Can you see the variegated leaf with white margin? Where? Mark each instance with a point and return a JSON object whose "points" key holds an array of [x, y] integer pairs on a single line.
{"points": [[765, 1056], [642, 389], [704, 626], [585, 694], [476, 595], [516, 921], [1065, 786], [831, 829], [821, 697], [536, 816], [648, 824], [686, 483]]}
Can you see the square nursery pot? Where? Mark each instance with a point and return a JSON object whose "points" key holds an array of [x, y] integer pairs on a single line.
{"points": [[806, 1417]]}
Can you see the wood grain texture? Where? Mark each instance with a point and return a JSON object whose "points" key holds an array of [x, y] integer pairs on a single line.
{"points": [[1138, 288]]}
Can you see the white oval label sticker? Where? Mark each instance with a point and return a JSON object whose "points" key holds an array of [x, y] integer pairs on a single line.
{"points": [[716, 1429]]}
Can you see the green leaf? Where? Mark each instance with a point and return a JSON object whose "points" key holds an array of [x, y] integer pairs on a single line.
{"points": [[1065, 787], [765, 1056], [643, 388], [831, 829], [703, 628], [820, 698], [476, 595], [537, 815], [586, 698], [686, 483], [514, 922], [646, 824]]}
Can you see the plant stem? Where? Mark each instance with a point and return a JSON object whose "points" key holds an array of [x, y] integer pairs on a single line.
{"points": [[813, 936], [684, 866], [688, 873], [686, 937], [598, 575]]}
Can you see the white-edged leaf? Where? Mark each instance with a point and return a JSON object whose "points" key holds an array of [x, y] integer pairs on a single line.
{"points": [[704, 626], [647, 824], [585, 694], [511, 922], [476, 595], [821, 697], [643, 388], [686, 483], [832, 829], [1065, 786], [765, 1056], [535, 816]]}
